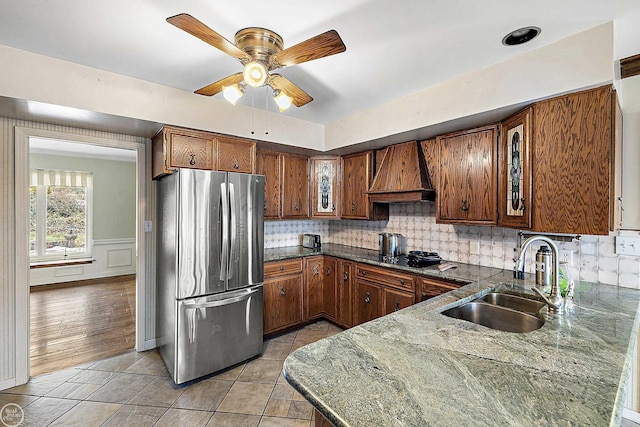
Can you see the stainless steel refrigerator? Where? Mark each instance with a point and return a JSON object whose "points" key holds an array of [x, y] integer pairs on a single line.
{"points": [[209, 270]]}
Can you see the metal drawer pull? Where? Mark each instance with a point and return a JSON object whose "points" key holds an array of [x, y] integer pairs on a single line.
{"points": [[397, 306], [236, 164], [353, 206], [192, 159], [465, 205], [367, 299], [345, 276], [282, 291], [401, 282], [316, 270], [281, 268], [328, 271]]}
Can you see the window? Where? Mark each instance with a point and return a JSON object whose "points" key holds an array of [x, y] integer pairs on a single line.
{"points": [[60, 215]]}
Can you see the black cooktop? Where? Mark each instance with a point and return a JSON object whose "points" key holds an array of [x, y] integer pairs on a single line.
{"points": [[417, 259]]}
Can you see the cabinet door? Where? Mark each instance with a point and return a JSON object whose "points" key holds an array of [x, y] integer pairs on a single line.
{"points": [[235, 155], [313, 287], [282, 302], [572, 160], [268, 164], [514, 171], [184, 150], [325, 193], [344, 283], [467, 177], [356, 173], [329, 297], [295, 186], [396, 300], [367, 304]]}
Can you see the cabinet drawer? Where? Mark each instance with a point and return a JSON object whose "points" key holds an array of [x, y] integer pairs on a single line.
{"points": [[282, 268], [386, 277], [433, 287]]}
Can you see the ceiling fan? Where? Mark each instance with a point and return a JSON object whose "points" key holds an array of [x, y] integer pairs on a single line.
{"points": [[261, 51]]}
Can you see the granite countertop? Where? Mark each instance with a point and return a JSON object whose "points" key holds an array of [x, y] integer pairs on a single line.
{"points": [[463, 272], [417, 367]]}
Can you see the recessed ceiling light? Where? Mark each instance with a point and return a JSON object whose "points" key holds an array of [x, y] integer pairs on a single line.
{"points": [[521, 35]]}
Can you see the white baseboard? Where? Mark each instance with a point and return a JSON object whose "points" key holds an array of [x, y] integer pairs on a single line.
{"points": [[148, 345], [7, 383], [631, 415]]}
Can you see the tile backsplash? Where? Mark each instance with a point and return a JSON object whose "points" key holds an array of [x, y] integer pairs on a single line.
{"points": [[594, 257]]}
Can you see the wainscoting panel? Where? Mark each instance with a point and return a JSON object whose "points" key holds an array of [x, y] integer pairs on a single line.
{"points": [[112, 257]]}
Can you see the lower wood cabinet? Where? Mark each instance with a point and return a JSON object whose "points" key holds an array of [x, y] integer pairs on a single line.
{"points": [[367, 302], [313, 289], [433, 287], [344, 292], [396, 300], [282, 295]]}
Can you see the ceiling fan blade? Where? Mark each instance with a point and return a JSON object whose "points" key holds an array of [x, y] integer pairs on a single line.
{"points": [[325, 44], [216, 87], [196, 28], [297, 95]]}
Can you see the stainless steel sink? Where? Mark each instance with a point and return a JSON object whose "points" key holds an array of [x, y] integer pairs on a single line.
{"points": [[495, 317], [514, 302]]}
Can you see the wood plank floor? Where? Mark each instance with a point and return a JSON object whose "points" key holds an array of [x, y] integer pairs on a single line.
{"points": [[79, 322]]}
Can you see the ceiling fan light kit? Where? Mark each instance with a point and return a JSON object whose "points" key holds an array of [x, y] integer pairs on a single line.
{"points": [[233, 93], [260, 51]]}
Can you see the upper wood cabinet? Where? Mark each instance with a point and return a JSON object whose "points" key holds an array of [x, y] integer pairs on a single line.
{"points": [[295, 186], [325, 190], [574, 163], [467, 177], [175, 148], [514, 171], [268, 164], [357, 175], [235, 154]]}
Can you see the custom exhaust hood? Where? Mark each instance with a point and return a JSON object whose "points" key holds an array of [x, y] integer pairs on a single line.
{"points": [[405, 174]]}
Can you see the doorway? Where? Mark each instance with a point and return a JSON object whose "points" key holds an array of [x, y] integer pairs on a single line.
{"points": [[23, 137]]}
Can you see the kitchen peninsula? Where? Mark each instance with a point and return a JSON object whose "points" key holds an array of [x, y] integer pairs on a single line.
{"points": [[419, 367]]}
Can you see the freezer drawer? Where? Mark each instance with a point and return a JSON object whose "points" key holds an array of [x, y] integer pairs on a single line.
{"points": [[216, 332]]}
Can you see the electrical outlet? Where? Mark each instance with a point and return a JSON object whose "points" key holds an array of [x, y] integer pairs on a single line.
{"points": [[148, 226], [566, 256], [474, 248]]}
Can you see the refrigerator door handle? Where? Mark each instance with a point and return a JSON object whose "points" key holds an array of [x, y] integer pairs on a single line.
{"points": [[222, 302], [234, 230], [224, 252]]}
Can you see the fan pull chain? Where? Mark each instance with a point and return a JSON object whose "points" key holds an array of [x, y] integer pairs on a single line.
{"points": [[266, 114], [252, 110]]}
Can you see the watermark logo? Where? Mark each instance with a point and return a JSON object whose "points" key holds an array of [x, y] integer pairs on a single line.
{"points": [[11, 415]]}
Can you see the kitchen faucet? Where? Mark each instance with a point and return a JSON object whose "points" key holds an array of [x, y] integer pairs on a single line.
{"points": [[554, 301]]}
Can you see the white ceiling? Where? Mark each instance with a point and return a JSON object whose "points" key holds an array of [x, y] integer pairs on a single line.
{"points": [[394, 48]]}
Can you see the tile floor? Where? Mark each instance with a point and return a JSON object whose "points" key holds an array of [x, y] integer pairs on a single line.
{"points": [[135, 389]]}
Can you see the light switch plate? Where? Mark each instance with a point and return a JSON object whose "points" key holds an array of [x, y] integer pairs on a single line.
{"points": [[148, 226], [474, 247], [627, 245]]}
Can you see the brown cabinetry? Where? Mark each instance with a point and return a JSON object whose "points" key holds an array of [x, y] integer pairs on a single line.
{"points": [[431, 287], [283, 302], [367, 302], [313, 287], [573, 146], [235, 155], [357, 175], [514, 171], [344, 293], [268, 164], [467, 177], [175, 148], [380, 291], [295, 186], [325, 191]]}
